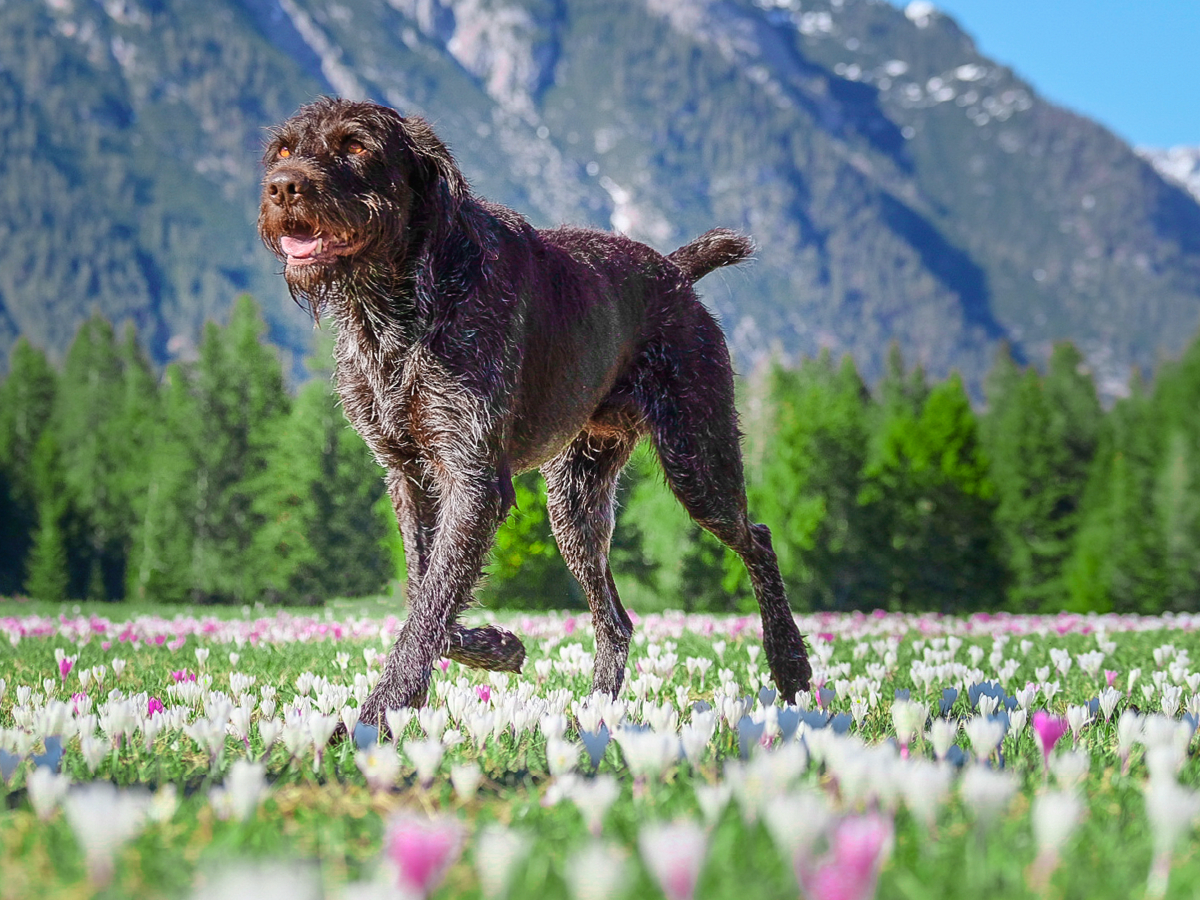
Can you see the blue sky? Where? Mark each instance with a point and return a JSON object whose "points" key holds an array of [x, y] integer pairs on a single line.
{"points": [[1132, 65]]}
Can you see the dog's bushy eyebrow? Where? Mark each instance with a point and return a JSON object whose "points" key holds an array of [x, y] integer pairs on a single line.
{"points": [[279, 136]]}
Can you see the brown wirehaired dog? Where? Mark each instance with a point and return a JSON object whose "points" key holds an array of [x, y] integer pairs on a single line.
{"points": [[471, 346]]}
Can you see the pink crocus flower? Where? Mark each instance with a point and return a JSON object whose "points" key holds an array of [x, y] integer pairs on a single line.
{"points": [[1048, 729], [675, 855], [484, 692], [444, 665], [183, 675], [422, 850], [850, 870], [64, 667], [76, 699], [153, 705], [1110, 676]]}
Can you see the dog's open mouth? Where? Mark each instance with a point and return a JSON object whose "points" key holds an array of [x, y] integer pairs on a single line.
{"points": [[308, 249]]}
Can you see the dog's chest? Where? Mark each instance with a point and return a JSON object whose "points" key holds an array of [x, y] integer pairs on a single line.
{"points": [[407, 409]]}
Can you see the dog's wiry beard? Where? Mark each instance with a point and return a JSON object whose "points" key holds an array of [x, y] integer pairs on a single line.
{"points": [[368, 277], [366, 290]]}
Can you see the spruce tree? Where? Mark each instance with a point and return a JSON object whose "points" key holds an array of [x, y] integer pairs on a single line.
{"points": [[813, 450], [95, 453], [26, 404], [161, 556], [321, 533], [526, 570], [47, 570], [928, 481], [1118, 563], [239, 396], [1177, 488]]}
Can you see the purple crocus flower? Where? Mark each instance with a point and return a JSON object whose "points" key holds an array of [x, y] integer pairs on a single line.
{"points": [[1048, 729]]}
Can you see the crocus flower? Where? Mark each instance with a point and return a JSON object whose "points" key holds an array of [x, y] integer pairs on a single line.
{"points": [[64, 667], [245, 787], [597, 872], [674, 854], [46, 789], [850, 870], [1048, 729], [422, 850], [497, 852], [465, 778], [909, 718], [1171, 809], [425, 756], [380, 765], [986, 792], [1110, 676], [593, 797], [153, 705], [103, 818], [1055, 816]]}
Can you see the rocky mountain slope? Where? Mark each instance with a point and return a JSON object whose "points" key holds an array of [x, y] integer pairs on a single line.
{"points": [[900, 185]]}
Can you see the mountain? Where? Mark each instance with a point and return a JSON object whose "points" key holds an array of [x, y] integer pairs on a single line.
{"points": [[900, 185], [1178, 164]]}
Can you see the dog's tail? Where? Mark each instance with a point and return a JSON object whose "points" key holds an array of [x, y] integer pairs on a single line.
{"points": [[713, 249]]}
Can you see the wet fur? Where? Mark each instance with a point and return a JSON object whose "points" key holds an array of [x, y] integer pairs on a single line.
{"points": [[471, 346]]}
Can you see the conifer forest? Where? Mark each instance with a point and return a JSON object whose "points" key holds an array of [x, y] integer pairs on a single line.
{"points": [[211, 481]]}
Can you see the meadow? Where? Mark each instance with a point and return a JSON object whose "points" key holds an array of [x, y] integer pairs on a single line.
{"points": [[165, 754]]}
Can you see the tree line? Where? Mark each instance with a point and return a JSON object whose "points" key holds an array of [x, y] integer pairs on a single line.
{"points": [[209, 482]]}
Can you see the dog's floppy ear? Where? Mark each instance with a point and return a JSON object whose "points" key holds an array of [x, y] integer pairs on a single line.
{"points": [[434, 159], [445, 190]]}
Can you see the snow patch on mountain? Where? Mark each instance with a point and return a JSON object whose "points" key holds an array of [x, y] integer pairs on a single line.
{"points": [[503, 45], [336, 72], [1180, 165]]}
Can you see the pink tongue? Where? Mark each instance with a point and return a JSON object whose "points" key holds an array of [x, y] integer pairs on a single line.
{"points": [[298, 247]]}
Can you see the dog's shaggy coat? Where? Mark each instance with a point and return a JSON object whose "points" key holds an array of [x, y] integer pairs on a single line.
{"points": [[471, 346]]}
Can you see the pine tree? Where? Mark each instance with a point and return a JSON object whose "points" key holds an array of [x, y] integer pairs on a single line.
{"points": [[240, 395], [95, 453], [321, 532], [1118, 563], [813, 447], [927, 480], [1177, 488], [160, 567], [48, 576], [26, 404]]}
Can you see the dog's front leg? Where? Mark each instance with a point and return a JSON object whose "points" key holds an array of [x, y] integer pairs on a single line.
{"points": [[469, 511]]}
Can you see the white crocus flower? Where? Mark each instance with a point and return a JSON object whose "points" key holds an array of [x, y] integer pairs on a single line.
{"points": [[103, 818]]}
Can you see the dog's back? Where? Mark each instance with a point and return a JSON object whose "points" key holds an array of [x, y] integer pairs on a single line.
{"points": [[600, 301]]}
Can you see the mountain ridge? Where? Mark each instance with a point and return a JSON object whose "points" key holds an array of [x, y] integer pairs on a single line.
{"points": [[900, 186]]}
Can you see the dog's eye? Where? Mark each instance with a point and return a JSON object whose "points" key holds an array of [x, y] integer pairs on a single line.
{"points": [[354, 148], [284, 152]]}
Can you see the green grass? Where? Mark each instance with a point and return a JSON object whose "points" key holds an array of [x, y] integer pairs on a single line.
{"points": [[330, 816]]}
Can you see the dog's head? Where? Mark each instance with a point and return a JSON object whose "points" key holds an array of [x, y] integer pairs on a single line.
{"points": [[349, 185]]}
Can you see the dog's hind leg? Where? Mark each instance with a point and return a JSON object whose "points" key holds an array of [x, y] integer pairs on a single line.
{"points": [[581, 486], [687, 397]]}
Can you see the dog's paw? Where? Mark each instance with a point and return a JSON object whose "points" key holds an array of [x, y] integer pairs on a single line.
{"points": [[489, 647], [790, 669]]}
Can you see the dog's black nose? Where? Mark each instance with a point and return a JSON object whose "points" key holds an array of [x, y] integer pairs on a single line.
{"points": [[285, 186]]}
